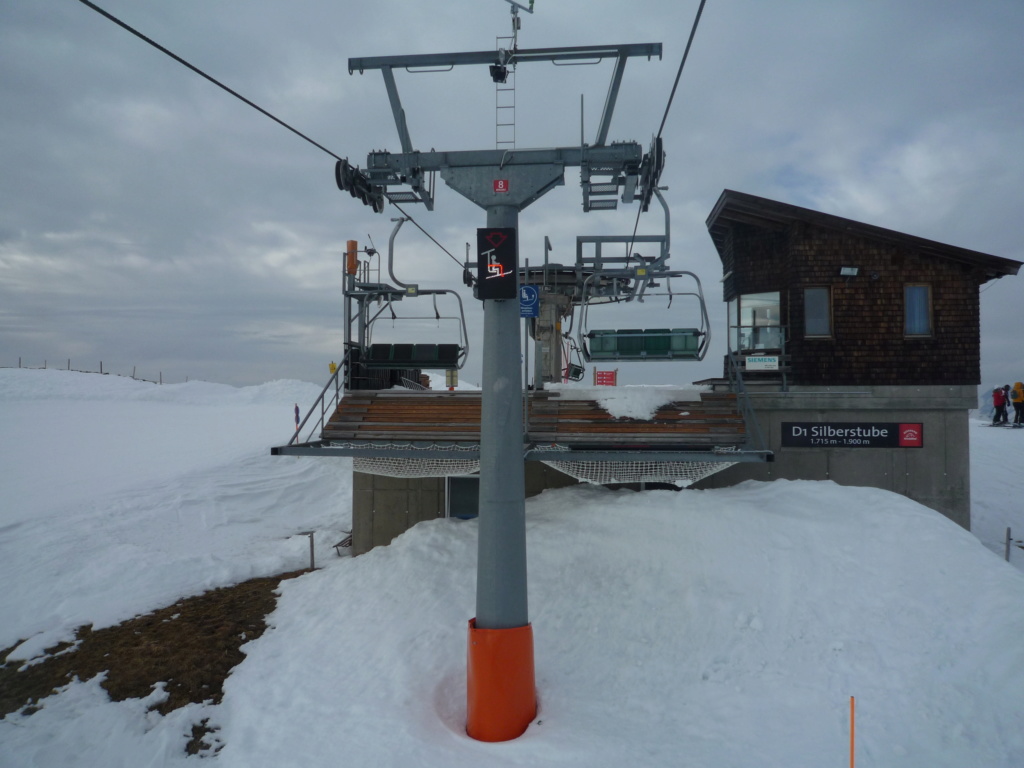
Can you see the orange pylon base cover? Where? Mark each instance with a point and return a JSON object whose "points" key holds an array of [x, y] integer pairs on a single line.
{"points": [[501, 694]]}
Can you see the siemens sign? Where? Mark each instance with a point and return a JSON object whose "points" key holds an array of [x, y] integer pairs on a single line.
{"points": [[807, 434]]}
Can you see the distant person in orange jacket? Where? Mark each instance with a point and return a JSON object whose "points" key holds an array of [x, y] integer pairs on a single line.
{"points": [[1017, 401]]}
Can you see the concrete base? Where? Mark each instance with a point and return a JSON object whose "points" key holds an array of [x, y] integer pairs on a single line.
{"points": [[936, 475], [384, 507]]}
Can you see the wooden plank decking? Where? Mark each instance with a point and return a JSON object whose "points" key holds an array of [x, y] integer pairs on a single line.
{"points": [[401, 416]]}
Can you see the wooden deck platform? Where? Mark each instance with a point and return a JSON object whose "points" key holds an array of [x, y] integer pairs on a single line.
{"points": [[713, 421]]}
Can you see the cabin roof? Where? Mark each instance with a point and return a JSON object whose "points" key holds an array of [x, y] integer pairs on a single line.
{"points": [[744, 208]]}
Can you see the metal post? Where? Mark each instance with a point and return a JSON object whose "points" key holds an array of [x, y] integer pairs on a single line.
{"points": [[538, 361], [501, 597], [526, 335], [346, 309], [501, 696], [1007, 554], [312, 558]]}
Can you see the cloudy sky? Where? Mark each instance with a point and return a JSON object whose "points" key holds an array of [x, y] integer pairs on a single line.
{"points": [[149, 220]]}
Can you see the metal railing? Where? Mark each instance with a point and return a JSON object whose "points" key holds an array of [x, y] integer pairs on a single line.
{"points": [[325, 405], [743, 399]]}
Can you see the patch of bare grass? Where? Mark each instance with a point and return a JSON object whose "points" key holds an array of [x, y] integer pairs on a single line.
{"points": [[190, 646]]}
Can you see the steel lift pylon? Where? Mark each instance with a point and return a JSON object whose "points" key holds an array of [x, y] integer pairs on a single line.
{"points": [[501, 692]]}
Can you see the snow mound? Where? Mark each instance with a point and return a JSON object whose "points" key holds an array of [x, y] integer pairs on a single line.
{"points": [[692, 628]]}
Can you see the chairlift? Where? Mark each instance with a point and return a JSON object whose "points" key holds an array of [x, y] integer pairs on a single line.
{"points": [[432, 356], [450, 355], [574, 369], [647, 277], [647, 344]]}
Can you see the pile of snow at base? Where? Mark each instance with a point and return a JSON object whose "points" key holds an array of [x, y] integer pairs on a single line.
{"points": [[725, 627]]}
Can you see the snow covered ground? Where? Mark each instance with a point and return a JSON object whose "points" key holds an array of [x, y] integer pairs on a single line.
{"points": [[702, 628]]}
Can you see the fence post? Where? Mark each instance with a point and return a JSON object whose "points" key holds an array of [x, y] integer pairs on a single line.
{"points": [[312, 560], [1007, 554], [853, 715]]}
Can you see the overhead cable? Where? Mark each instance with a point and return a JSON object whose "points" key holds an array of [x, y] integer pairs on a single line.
{"points": [[686, 53], [250, 103], [668, 106], [421, 229]]}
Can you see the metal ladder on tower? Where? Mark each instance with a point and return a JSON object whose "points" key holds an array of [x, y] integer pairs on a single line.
{"points": [[504, 75], [505, 98]]}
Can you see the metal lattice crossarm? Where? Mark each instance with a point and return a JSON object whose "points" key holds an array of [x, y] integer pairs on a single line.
{"points": [[604, 170], [532, 171], [434, 61]]}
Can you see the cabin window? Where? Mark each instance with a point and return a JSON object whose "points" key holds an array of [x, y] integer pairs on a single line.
{"points": [[755, 322], [818, 312], [917, 306]]}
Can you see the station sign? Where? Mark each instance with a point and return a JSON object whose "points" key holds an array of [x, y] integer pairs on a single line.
{"points": [[496, 263], [762, 362], [845, 434]]}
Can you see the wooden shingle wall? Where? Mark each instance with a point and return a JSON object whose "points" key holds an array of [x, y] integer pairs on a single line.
{"points": [[759, 260], [868, 344]]}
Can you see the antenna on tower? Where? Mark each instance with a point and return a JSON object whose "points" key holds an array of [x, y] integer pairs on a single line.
{"points": [[516, 7]]}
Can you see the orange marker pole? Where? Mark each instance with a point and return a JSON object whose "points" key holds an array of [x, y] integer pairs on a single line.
{"points": [[852, 717]]}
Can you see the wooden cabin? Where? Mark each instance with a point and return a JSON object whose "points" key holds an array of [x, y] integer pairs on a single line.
{"points": [[843, 325]]}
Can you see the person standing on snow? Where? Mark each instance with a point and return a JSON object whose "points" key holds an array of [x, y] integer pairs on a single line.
{"points": [[999, 402], [1017, 400], [297, 417]]}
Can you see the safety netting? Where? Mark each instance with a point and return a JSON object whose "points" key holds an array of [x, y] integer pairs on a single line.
{"points": [[680, 473], [404, 466]]}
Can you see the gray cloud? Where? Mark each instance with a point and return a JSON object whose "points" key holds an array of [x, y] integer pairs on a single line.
{"points": [[148, 217]]}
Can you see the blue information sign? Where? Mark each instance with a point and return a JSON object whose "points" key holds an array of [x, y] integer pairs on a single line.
{"points": [[529, 301]]}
